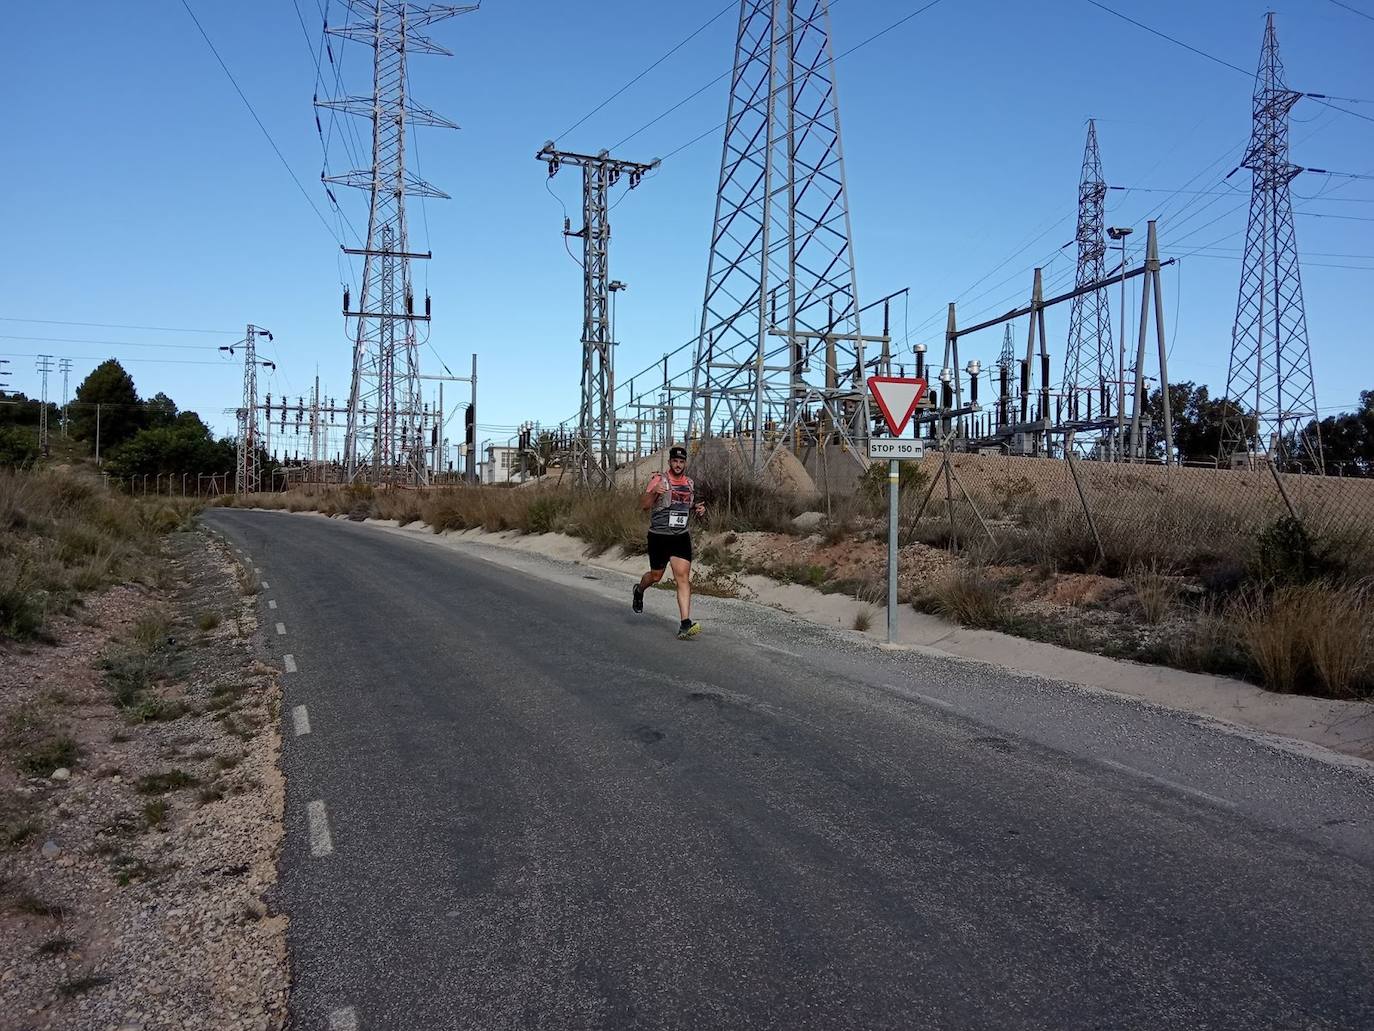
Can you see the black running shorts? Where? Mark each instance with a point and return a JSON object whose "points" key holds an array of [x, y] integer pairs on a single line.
{"points": [[663, 546]]}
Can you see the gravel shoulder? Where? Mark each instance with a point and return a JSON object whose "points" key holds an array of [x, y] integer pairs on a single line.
{"points": [[136, 877]]}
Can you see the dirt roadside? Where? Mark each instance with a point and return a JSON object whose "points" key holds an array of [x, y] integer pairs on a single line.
{"points": [[141, 805]]}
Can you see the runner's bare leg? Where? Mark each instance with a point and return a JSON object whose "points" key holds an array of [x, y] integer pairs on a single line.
{"points": [[682, 579]]}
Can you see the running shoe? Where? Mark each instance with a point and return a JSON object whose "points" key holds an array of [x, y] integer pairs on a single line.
{"points": [[638, 604], [688, 629]]}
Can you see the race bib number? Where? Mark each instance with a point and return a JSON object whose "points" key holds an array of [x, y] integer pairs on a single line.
{"points": [[677, 520]]}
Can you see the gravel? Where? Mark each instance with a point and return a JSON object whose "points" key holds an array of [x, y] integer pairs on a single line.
{"points": [[149, 910]]}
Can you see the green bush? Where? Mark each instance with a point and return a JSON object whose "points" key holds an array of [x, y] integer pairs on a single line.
{"points": [[18, 446], [547, 512], [1287, 553]]}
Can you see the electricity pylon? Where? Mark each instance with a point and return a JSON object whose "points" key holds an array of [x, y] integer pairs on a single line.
{"points": [[385, 405], [247, 472], [1270, 393], [596, 430], [780, 281], [1088, 358], [44, 366]]}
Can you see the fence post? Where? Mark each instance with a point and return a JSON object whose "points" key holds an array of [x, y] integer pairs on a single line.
{"points": [[1273, 468], [1082, 500]]}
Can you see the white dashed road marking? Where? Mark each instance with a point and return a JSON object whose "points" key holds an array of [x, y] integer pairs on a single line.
{"points": [[321, 844], [345, 1019], [281, 629], [290, 661], [301, 719], [271, 604]]}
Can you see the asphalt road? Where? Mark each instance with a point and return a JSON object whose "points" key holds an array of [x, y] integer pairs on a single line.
{"points": [[543, 811]]}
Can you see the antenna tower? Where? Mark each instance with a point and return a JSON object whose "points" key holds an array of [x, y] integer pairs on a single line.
{"points": [[385, 406], [780, 281], [1088, 364], [596, 426], [1270, 394]]}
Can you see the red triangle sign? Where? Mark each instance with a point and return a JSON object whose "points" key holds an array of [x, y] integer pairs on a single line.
{"points": [[897, 398]]}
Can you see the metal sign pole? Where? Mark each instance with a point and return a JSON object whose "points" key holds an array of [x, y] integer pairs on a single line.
{"points": [[893, 489], [897, 398]]}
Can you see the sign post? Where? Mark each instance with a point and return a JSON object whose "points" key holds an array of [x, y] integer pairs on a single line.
{"points": [[897, 399]]}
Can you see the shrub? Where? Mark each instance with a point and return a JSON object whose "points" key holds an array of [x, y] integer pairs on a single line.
{"points": [[35, 745], [22, 604], [969, 598], [1287, 553], [546, 513], [161, 783]]}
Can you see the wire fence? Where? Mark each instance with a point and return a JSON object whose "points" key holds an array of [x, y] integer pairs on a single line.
{"points": [[1072, 513]]}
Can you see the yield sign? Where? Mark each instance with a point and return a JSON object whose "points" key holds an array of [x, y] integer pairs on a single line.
{"points": [[897, 399]]}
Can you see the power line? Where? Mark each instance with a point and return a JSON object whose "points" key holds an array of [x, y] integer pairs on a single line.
{"points": [[1353, 10], [119, 325], [1344, 218], [275, 149], [1172, 39], [696, 93], [111, 343], [121, 360], [1320, 98], [702, 28]]}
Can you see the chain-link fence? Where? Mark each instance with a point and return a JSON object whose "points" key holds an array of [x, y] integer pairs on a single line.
{"points": [[1076, 514]]}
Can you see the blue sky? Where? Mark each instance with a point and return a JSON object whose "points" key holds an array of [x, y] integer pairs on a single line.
{"points": [[142, 193]]}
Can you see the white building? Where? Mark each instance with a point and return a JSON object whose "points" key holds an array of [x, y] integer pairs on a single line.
{"points": [[501, 464]]}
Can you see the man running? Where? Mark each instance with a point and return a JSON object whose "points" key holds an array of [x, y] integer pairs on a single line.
{"points": [[669, 499]]}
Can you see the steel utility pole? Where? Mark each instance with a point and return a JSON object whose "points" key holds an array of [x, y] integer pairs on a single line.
{"points": [[44, 366], [1270, 394], [596, 416], [385, 415], [1119, 450]]}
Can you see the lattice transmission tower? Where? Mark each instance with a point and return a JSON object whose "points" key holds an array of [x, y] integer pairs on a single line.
{"points": [[384, 439], [44, 366], [1270, 393], [247, 472], [779, 334], [1088, 359]]}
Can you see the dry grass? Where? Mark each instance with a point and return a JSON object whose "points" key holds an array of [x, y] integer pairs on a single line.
{"points": [[863, 619], [1314, 638], [62, 534], [1155, 591], [968, 597]]}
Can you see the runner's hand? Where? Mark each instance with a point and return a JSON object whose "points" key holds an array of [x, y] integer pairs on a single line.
{"points": [[699, 508]]}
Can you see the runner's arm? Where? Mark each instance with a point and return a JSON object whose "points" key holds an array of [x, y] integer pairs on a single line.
{"points": [[647, 501]]}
